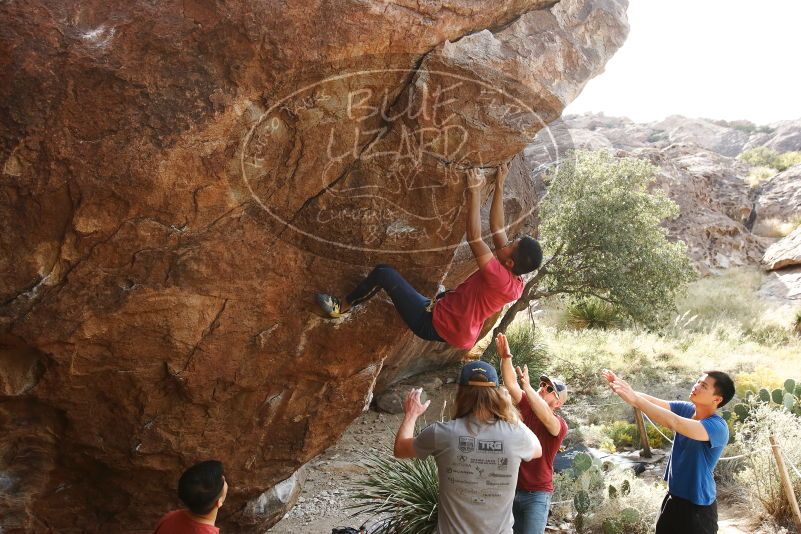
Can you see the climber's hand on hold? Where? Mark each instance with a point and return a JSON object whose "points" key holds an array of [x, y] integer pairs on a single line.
{"points": [[500, 174], [475, 181], [482, 253]]}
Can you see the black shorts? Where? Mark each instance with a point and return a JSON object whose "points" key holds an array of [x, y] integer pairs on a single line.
{"points": [[680, 516]]}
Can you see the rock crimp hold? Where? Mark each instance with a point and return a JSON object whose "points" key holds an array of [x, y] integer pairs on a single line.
{"points": [[179, 177]]}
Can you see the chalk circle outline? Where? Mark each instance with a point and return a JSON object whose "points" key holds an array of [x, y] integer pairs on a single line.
{"points": [[337, 77]]}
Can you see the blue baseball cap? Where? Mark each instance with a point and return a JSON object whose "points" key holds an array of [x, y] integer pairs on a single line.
{"points": [[478, 367]]}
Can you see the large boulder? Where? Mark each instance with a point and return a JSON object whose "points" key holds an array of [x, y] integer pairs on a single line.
{"points": [[784, 136], [779, 198], [715, 203], [178, 178], [784, 253], [706, 134]]}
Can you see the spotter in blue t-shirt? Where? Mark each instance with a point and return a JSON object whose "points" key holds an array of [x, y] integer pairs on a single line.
{"points": [[691, 462]]}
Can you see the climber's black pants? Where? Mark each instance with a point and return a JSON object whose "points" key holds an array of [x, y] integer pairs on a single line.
{"points": [[680, 516], [410, 304]]}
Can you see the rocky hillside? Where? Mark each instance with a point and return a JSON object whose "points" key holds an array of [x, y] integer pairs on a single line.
{"points": [[178, 178], [723, 213]]}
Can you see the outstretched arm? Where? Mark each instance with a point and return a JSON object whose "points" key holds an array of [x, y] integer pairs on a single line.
{"points": [[538, 404], [480, 250], [683, 425], [404, 439], [497, 221], [611, 377], [507, 369]]}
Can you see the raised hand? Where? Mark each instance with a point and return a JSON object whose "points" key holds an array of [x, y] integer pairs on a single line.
{"points": [[412, 406], [502, 346], [500, 175], [522, 375], [624, 391], [608, 375], [475, 181]]}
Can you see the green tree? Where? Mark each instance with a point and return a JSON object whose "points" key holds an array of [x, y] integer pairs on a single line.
{"points": [[602, 237]]}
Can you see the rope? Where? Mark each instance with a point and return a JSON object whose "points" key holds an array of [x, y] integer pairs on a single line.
{"points": [[656, 427], [753, 452], [577, 406], [736, 457]]}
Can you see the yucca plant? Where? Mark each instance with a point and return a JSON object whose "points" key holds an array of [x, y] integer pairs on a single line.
{"points": [[592, 312], [401, 494], [526, 345]]}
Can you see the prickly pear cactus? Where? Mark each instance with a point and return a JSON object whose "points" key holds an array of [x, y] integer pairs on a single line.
{"points": [[629, 516], [789, 402], [625, 488], [741, 411], [581, 501], [612, 492], [581, 463], [789, 386], [764, 395], [611, 526], [777, 395]]}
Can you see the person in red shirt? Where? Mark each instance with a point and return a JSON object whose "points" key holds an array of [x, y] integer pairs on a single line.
{"points": [[202, 488], [537, 409], [456, 317]]}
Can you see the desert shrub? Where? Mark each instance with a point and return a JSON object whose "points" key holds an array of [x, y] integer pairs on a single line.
{"points": [[761, 377], [774, 227], [402, 494], [631, 505], [760, 475], [760, 156], [786, 160], [759, 174], [767, 157], [768, 334], [592, 312], [624, 434], [528, 347], [797, 323]]}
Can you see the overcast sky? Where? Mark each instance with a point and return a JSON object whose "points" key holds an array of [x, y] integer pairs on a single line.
{"points": [[721, 59]]}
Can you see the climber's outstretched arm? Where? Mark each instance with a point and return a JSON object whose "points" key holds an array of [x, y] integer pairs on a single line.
{"points": [[496, 219], [481, 251]]}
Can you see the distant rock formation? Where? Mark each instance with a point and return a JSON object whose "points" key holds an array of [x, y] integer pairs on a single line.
{"points": [[699, 170]]}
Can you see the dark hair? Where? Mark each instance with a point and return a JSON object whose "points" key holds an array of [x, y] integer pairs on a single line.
{"points": [[527, 256], [201, 485], [724, 386]]}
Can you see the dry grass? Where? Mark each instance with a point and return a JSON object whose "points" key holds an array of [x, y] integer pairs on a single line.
{"points": [[774, 227], [721, 324], [758, 175]]}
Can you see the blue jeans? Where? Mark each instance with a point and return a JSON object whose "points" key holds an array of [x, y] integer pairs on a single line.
{"points": [[410, 304], [530, 509]]}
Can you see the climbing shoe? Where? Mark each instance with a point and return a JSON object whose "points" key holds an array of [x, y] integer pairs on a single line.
{"points": [[329, 304]]}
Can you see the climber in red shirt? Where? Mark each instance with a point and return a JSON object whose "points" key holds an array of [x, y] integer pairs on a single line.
{"points": [[202, 488], [457, 316]]}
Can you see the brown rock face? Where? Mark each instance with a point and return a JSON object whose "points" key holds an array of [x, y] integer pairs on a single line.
{"points": [[780, 196], [178, 178]]}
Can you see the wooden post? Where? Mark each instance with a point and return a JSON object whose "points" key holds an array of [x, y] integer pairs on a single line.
{"points": [[646, 447], [786, 482]]}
